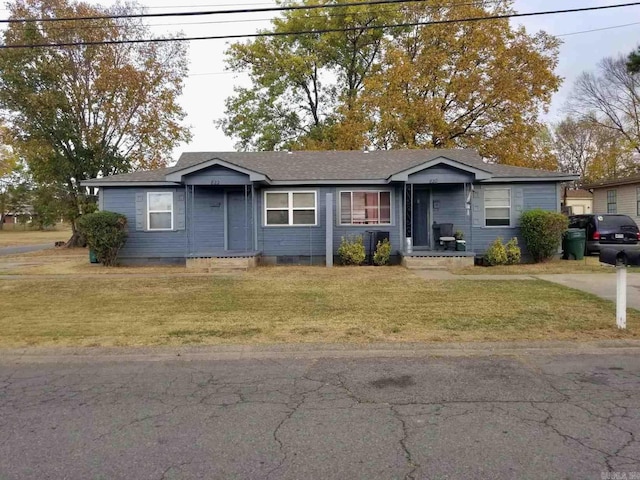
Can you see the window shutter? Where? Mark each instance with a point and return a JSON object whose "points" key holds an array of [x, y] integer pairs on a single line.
{"points": [[141, 211], [477, 206], [179, 210], [517, 205]]}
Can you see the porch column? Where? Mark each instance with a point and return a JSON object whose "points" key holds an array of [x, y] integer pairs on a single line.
{"points": [[329, 229]]}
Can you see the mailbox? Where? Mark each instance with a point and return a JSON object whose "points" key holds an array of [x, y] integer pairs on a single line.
{"points": [[614, 256]]}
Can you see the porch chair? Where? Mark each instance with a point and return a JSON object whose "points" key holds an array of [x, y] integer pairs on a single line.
{"points": [[446, 237]]}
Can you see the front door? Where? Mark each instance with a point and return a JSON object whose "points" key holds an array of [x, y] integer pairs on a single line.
{"points": [[420, 220], [239, 229]]}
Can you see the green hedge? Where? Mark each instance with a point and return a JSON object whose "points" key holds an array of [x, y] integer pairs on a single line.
{"points": [[106, 233], [542, 232]]}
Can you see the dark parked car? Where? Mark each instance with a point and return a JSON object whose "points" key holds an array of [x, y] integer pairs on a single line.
{"points": [[606, 230]]}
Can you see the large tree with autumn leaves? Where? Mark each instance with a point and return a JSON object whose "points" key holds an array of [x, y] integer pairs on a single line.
{"points": [[78, 112], [478, 84]]}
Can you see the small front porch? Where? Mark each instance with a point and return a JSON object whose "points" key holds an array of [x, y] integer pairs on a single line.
{"points": [[426, 259], [223, 261]]}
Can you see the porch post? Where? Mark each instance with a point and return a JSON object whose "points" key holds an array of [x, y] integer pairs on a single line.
{"points": [[329, 229], [254, 216]]}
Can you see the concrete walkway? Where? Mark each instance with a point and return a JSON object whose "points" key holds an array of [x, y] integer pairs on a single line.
{"points": [[600, 284], [24, 249]]}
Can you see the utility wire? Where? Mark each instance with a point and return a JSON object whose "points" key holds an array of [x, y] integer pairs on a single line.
{"points": [[210, 12], [320, 31], [228, 72], [597, 29], [255, 20]]}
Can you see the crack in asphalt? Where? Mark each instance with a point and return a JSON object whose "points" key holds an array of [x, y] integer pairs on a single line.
{"points": [[413, 466]]}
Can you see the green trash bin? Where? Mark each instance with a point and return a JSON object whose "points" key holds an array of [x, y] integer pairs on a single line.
{"points": [[92, 257], [573, 244]]}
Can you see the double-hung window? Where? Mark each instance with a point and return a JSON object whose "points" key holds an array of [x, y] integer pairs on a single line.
{"points": [[160, 211], [366, 207], [612, 201], [497, 207], [290, 208], [638, 201]]}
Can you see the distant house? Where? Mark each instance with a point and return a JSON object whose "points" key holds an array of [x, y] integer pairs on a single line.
{"points": [[621, 195], [578, 201], [294, 207]]}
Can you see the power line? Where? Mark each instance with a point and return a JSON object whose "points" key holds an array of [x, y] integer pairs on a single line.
{"points": [[209, 12], [597, 29], [316, 32], [255, 20], [228, 72]]}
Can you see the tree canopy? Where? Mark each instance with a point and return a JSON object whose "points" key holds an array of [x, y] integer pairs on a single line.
{"points": [[590, 150], [85, 111], [609, 98], [477, 84]]}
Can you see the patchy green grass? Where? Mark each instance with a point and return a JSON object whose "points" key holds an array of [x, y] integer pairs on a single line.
{"points": [[296, 304]]}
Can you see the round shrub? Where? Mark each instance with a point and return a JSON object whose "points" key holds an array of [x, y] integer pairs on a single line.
{"points": [[542, 232], [351, 251], [513, 251], [496, 254], [382, 253], [106, 233]]}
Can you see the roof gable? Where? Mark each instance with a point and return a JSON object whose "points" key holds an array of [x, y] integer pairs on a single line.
{"points": [[178, 174], [404, 175]]}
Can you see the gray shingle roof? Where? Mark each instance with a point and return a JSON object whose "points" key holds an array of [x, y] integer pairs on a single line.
{"points": [[333, 165], [614, 182]]}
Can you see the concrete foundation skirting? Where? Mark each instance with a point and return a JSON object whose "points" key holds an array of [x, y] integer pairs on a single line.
{"points": [[417, 263], [218, 264]]}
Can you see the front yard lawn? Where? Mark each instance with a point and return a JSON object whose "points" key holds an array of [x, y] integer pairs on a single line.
{"points": [[296, 304], [13, 238]]}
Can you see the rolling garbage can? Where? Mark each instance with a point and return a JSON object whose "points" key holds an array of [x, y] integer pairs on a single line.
{"points": [[92, 257], [573, 244]]}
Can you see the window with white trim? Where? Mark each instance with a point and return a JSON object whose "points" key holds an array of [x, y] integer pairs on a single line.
{"points": [[365, 207], [290, 208], [638, 201], [497, 207], [612, 201], [160, 211]]}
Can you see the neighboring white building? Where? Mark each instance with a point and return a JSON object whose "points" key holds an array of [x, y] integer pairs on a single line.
{"points": [[621, 195], [580, 201]]}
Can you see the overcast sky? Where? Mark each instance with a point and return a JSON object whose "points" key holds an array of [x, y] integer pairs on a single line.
{"points": [[208, 85]]}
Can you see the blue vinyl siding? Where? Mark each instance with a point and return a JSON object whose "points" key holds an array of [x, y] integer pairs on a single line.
{"points": [[140, 243], [310, 241], [217, 176], [205, 229], [534, 195]]}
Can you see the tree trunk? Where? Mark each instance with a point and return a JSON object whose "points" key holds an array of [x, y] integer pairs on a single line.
{"points": [[76, 240]]}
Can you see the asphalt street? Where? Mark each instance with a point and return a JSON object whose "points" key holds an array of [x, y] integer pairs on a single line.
{"points": [[528, 415], [24, 249]]}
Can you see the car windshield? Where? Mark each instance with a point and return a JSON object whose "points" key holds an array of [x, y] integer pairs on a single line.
{"points": [[615, 221]]}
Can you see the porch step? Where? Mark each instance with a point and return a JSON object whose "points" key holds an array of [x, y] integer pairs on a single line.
{"points": [[436, 263], [221, 264]]}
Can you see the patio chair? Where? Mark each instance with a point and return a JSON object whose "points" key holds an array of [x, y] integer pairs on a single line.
{"points": [[446, 238]]}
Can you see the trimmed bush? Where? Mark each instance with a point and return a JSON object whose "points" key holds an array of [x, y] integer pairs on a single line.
{"points": [[351, 251], [496, 254], [513, 251], [382, 253], [542, 232], [105, 233]]}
